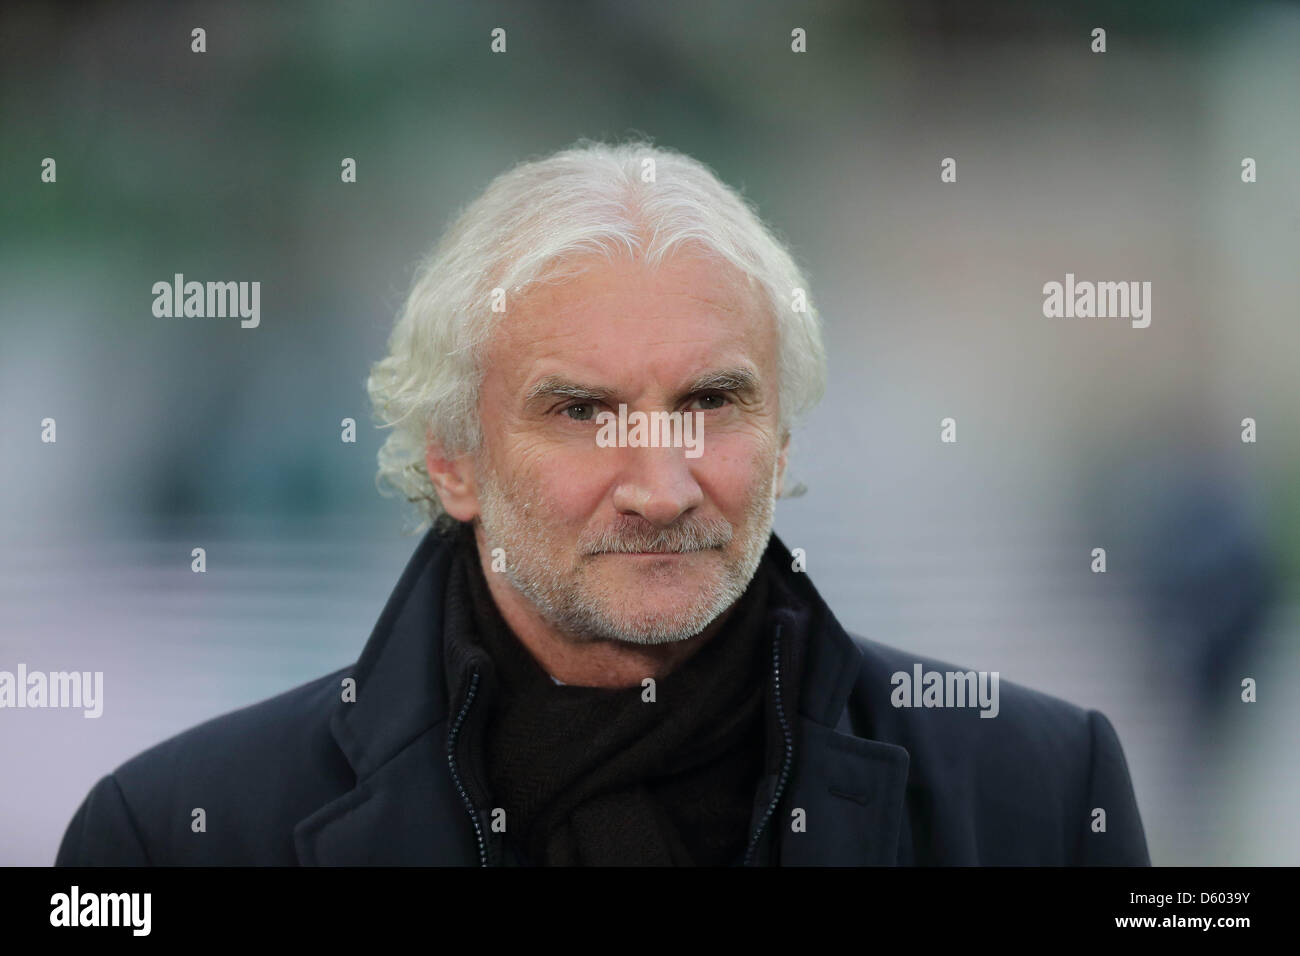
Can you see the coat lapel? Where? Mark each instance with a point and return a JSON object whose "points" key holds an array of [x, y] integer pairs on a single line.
{"points": [[405, 814], [851, 788], [404, 809]]}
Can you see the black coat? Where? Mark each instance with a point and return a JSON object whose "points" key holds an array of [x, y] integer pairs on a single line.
{"points": [[305, 778]]}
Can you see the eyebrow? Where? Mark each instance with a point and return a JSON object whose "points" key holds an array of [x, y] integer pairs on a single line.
{"points": [[739, 379]]}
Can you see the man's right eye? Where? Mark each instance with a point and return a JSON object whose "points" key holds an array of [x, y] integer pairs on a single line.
{"points": [[587, 408]]}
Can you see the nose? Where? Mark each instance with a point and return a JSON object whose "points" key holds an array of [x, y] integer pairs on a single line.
{"points": [[657, 484]]}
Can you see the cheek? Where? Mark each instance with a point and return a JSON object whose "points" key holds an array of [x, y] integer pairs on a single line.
{"points": [[566, 485], [735, 468]]}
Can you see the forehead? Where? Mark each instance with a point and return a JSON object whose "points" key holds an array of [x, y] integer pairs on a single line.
{"points": [[628, 319]]}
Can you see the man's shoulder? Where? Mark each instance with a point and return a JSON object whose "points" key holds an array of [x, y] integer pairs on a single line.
{"points": [[279, 729], [965, 714], [1017, 702], [1016, 776], [192, 797]]}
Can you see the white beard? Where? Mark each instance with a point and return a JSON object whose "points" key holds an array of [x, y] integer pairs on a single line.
{"points": [[510, 520]]}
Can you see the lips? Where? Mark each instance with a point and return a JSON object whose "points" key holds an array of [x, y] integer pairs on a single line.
{"points": [[643, 554]]}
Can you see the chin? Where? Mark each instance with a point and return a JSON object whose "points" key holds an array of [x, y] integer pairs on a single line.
{"points": [[648, 627], [653, 638]]}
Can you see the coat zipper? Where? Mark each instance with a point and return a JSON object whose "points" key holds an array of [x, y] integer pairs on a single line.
{"points": [[789, 749], [455, 776]]}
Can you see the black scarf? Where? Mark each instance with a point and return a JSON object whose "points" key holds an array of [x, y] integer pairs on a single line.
{"points": [[597, 776]]}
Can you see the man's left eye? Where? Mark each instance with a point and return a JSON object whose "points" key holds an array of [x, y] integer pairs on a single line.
{"points": [[722, 401], [587, 407]]}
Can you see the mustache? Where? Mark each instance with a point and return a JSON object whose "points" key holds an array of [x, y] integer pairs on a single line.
{"points": [[698, 534]]}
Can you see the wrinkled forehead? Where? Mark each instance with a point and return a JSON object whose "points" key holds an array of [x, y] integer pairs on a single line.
{"points": [[626, 317]]}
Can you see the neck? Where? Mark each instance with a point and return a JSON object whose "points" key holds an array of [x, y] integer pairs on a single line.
{"points": [[588, 663]]}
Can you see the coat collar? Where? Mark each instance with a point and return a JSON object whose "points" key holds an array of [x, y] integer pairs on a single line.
{"points": [[405, 809], [850, 788]]}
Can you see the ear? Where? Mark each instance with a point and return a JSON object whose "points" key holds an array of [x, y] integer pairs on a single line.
{"points": [[453, 480], [780, 465]]}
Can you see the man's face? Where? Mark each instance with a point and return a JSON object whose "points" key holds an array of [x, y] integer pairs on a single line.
{"points": [[636, 544]]}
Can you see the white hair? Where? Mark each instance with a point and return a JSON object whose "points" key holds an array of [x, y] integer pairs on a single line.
{"points": [[530, 222]]}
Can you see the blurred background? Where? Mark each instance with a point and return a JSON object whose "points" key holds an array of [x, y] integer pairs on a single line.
{"points": [[1073, 434]]}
